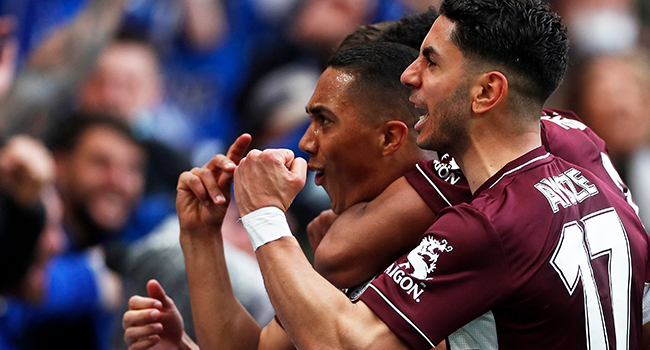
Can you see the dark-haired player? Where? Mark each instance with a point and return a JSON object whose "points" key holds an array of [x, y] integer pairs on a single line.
{"points": [[362, 126], [537, 238]]}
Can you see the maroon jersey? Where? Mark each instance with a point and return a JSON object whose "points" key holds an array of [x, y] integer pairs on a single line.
{"points": [[440, 182], [552, 250]]}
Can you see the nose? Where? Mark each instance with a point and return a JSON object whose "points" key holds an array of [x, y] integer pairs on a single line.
{"points": [[410, 77], [125, 179], [308, 142]]}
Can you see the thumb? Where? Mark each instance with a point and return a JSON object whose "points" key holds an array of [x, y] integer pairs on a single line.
{"points": [[156, 291]]}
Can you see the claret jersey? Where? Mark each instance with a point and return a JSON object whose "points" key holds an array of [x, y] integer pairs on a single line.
{"points": [[555, 253], [441, 183]]}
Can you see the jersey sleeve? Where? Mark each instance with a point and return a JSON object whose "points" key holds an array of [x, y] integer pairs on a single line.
{"points": [[457, 273], [440, 184]]}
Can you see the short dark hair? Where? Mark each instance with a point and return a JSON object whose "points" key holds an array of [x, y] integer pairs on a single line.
{"points": [[364, 35], [410, 30], [65, 136], [377, 69], [523, 37]]}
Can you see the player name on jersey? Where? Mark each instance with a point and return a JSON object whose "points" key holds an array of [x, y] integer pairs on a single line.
{"points": [[566, 189]]}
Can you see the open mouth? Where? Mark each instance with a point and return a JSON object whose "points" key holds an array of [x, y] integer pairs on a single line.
{"points": [[319, 174], [423, 119], [424, 114]]}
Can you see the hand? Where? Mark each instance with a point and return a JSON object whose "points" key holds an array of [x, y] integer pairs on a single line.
{"points": [[204, 193], [153, 322], [318, 227], [272, 177], [26, 167]]}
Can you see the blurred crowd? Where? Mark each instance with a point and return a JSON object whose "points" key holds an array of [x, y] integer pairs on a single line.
{"points": [[103, 103]]}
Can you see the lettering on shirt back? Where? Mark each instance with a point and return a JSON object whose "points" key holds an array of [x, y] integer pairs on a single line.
{"points": [[566, 189]]}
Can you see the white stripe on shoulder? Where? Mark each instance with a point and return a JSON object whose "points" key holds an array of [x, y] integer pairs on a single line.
{"points": [[521, 166], [434, 185], [402, 315]]}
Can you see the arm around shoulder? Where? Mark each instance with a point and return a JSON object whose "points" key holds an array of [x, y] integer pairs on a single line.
{"points": [[369, 236]]}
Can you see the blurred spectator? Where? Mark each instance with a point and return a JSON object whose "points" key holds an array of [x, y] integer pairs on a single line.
{"points": [[610, 93], [100, 175], [127, 85], [600, 26], [30, 233], [26, 168], [203, 72], [58, 42]]}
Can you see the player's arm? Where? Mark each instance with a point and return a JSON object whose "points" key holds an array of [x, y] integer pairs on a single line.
{"points": [[313, 312], [220, 320], [368, 236], [201, 203]]}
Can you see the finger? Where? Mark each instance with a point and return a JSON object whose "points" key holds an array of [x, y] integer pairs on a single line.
{"points": [[156, 291], [137, 302], [195, 184], [137, 318], [209, 181], [288, 156], [146, 343], [220, 163], [238, 148], [223, 169], [134, 334], [299, 168], [252, 154], [284, 156]]}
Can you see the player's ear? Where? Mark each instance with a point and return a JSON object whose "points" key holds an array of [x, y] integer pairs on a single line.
{"points": [[488, 90], [395, 133]]}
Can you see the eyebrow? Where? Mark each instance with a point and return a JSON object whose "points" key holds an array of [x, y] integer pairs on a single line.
{"points": [[317, 110], [430, 51]]}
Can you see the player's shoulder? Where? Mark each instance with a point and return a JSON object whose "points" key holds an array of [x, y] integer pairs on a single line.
{"points": [[565, 135], [564, 119], [439, 182]]}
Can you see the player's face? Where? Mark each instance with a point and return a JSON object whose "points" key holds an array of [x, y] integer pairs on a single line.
{"points": [[438, 87], [343, 149], [102, 177]]}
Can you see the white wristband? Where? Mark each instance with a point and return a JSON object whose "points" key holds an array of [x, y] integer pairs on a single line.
{"points": [[266, 225]]}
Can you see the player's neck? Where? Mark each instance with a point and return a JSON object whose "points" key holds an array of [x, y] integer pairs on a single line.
{"points": [[488, 152]]}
